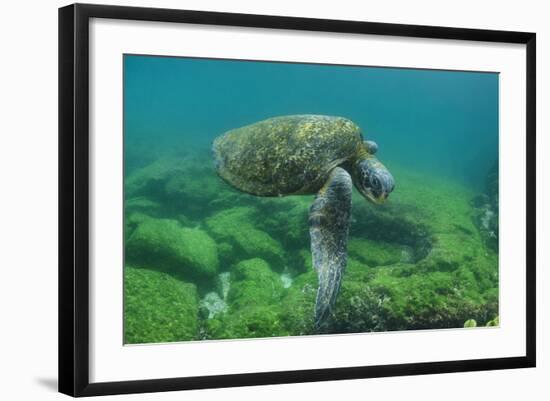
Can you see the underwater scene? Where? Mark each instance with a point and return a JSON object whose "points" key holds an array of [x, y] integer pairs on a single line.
{"points": [[268, 199]]}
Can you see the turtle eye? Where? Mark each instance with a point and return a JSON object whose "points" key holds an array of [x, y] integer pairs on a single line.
{"points": [[376, 185], [375, 182]]}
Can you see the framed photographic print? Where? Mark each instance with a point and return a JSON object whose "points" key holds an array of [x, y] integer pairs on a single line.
{"points": [[250, 199]]}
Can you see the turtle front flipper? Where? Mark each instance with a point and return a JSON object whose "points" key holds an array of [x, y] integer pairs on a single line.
{"points": [[329, 217]]}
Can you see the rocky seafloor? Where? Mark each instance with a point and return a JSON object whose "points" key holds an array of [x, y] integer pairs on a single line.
{"points": [[204, 261]]}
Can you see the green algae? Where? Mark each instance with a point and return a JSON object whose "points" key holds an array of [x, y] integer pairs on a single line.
{"points": [[141, 204], [286, 218], [253, 300], [298, 304], [233, 226], [185, 185], [253, 281], [166, 245], [420, 261], [375, 253], [359, 307], [158, 308], [253, 322]]}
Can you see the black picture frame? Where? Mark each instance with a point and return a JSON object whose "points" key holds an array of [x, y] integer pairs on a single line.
{"points": [[74, 198]]}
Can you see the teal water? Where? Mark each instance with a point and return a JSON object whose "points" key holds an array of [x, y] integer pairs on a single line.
{"points": [[205, 261], [424, 119]]}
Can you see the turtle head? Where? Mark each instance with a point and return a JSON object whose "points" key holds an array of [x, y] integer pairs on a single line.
{"points": [[371, 177]]}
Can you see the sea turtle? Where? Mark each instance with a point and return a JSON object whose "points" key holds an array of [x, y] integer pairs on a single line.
{"points": [[308, 154]]}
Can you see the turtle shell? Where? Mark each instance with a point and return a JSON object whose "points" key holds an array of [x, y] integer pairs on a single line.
{"points": [[285, 155]]}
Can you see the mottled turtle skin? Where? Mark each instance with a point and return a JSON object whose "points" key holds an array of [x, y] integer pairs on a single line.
{"points": [[287, 155]]}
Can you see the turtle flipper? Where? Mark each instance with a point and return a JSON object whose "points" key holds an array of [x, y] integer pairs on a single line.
{"points": [[329, 217]]}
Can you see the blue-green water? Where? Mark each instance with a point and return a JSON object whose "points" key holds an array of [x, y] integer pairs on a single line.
{"points": [[424, 119], [205, 261]]}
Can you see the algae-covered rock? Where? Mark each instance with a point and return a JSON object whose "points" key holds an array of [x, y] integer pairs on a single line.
{"points": [[234, 226], [374, 253], [174, 183], [298, 305], [428, 300], [486, 210], [493, 323], [477, 278], [142, 204], [470, 323], [253, 322], [254, 304], [487, 220], [166, 245], [300, 261], [448, 251], [150, 180], [226, 252], [392, 223], [185, 192], [185, 221], [359, 307], [158, 308], [416, 301], [435, 270], [286, 219], [453, 249], [253, 282], [132, 221]]}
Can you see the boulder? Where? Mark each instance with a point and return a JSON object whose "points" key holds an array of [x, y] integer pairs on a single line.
{"points": [[236, 227], [166, 245], [254, 304], [158, 308], [375, 253]]}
